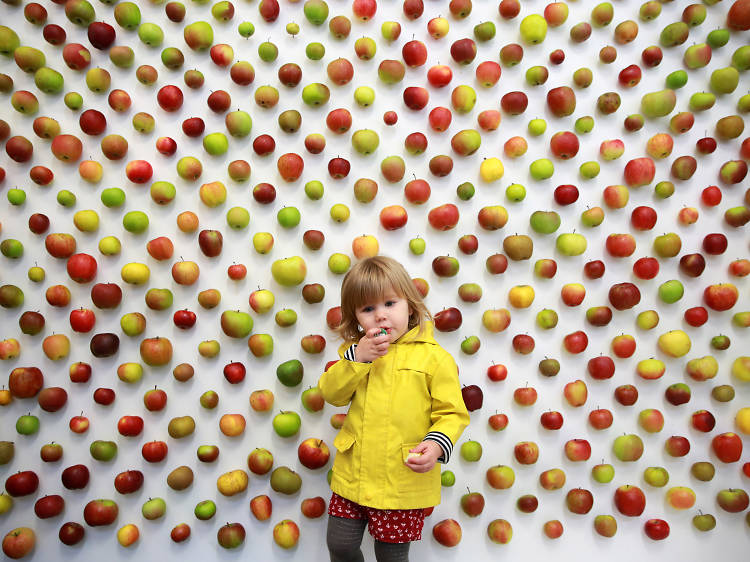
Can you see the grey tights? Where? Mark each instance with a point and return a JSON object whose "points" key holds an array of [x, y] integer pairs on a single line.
{"points": [[344, 538]]}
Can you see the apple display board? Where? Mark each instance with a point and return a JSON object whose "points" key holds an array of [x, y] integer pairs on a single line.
{"points": [[574, 209]]}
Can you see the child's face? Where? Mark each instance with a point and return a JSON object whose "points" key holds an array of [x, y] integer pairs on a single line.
{"points": [[390, 312]]}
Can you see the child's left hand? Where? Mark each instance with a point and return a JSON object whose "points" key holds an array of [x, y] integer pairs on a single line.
{"points": [[431, 452]]}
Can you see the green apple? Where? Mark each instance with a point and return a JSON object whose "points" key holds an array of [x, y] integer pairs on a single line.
{"points": [[290, 373], [465, 191], [584, 124], [215, 143], [656, 476], [238, 218], [151, 34], [316, 11], [364, 96], [704, 521], [288, 217], [515, 192], [205, 510], [545, 222], [113, 197], [314, 190], [546, 319], [471, 451], [365, 141], [724, 80], [677, 79], [718, 37], [671, 291], [289, 271], [541, 169], [135, 222], [316, 94], [533, 29], [236, 324], [246, 29], [103, 450], [339, 263], [315, 50], [286, 424], [571, 244], [537, 127], [603, 473], [16, 196], [417, 246], [589, 170], [285, 317], [154, 508], [268, 51], [73, 101], [238, 123], [447, 478], [27, 424]]}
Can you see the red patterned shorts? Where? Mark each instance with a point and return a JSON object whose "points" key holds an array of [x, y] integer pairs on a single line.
{"points": [[385, 525]]}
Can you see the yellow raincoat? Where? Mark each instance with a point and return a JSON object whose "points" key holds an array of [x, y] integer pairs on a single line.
{"points": [[395, 401]]}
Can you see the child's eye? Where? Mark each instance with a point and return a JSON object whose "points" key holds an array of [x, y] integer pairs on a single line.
{"points": [[389, 303], [367, 309]]}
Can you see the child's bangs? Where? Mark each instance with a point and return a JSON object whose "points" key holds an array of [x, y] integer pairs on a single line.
{"points": [[373, 286]]}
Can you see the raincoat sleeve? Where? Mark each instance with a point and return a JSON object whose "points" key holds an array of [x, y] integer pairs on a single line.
{"points": [[449, 414], [341, 380]]}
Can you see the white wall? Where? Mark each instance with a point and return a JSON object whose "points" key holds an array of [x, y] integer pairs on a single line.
{"points": [[579, 540]]}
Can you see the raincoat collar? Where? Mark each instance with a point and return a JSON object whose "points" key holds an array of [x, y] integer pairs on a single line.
{"points": [[414, 335]]}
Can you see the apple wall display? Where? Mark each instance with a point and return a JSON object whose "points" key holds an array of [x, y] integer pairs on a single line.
{"points": [[185, 184]]}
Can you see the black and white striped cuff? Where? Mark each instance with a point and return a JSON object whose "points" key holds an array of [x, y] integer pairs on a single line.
{"points": [[349, 354], [445, 444]]}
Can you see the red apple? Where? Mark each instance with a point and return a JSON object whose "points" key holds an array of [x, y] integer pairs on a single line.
{"points": [[313, 453], [130, 426], [727, 447], [601, 418], [601, 367], [630, 500], [566, 194], [22, 483], [656, 529], [234, 372], [75, 477], [551, 420], [154, 451], [100, 512], [129, 481], [576, 342], [497, 372]]}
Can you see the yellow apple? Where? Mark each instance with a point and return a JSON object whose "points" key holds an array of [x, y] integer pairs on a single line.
{"points": [[742, 420], [127, 534], [521, 296], [232, 482], [365, 246], [491, 169], [674, 343]]}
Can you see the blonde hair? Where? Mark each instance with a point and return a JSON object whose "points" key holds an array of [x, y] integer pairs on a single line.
{"points": [[368, 281]]}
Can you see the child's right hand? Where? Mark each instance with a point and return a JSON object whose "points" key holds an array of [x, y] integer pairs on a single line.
{"points": [[372, 345]]}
